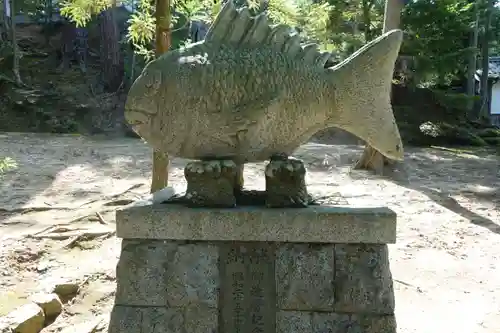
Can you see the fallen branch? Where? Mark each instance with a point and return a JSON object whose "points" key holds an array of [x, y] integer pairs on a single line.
{"points": [[63, 236], [101, 219], [418, 289], [114, 196], [89, 216], [53, 228], [87, 236]]}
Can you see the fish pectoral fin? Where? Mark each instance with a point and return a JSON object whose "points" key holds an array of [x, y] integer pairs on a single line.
{"points": [[246, 112], [238, 121], [255, 108]]}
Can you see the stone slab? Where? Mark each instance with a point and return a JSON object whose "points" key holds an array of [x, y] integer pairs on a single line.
{"points": [[167, 273], [305, 277], [363, 279], [314, 224], [247, 301], [319, 322], [237, 276], [132, 319]]}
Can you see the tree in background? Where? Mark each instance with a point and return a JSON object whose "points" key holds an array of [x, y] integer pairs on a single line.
{"points": [[437, 35], [15, 48], [8, 31], [111, 59], [472, 61], [438, 40], [443, 38], [4, 24]]}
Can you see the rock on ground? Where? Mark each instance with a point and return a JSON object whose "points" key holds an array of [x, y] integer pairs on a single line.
{"points": [[28, 318], [50, 304]]}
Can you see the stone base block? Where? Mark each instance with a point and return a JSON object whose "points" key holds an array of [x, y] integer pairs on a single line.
{"points": [[186, 280], [314, 224]]}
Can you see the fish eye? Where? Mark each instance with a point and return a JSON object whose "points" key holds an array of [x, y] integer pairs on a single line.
{"points": [[398, 147]]}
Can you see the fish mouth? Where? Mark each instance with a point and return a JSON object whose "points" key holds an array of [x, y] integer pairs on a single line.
{"points": [[137, 117], [396, 154]]}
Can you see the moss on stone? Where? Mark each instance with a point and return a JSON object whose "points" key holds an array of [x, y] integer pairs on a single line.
{"points": [[448, 134], [489, 133], [492, 140]]}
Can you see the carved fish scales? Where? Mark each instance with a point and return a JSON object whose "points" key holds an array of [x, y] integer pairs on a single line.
{"points": [[251, 90]]}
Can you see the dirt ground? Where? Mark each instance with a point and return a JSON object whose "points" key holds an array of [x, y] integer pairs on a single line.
{"points": [[57, 223]]}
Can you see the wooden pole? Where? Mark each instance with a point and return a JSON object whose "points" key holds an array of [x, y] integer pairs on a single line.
{"points": [[163, 41]]}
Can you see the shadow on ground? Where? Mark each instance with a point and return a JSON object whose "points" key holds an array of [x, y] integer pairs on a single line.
{"points": [[441, 174], [472, 174]]}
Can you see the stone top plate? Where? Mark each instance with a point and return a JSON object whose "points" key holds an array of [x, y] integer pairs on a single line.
{"points": [[315, 224]]}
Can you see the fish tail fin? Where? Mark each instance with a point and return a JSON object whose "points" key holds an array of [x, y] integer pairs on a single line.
{"points": [[363, 94]]}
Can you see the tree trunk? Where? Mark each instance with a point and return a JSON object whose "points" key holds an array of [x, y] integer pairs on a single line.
{"points": [[366, 4], [132, 54], [4, 25], [48, 11], [163, 36], [484, 113], [371, 158], [15, 48], [112, 69], [471, 68]]}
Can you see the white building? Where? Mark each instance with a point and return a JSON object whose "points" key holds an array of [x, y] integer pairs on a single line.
{"points": [[494, 85], [494, 72]]}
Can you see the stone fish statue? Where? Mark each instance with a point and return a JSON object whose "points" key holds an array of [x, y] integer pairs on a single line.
{"points": [[251, 92]]}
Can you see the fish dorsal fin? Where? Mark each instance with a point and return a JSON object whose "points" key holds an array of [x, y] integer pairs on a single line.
{"points": [[236, 28]]}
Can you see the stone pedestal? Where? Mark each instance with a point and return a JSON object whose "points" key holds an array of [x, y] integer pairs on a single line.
{"points": [[250, 269]]}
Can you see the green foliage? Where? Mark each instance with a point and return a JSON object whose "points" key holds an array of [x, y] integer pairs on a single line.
{"points": [[311, 17], [283, 12], [81, 11], [448, 134], [436, 32], [429, 26], [453, 101], [141, 30], [6, 164], [437, 35], [492, 140], [489, 133], [314, 20]]}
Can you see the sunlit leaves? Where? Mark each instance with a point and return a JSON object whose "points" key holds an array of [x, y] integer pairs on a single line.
{"points": [[6, 164], [311, 17], [283, 11], [81, 11], [314, 19], [142, 24]]}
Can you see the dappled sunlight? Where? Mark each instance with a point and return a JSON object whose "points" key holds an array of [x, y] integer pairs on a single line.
{"points": [[432, 156]]}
